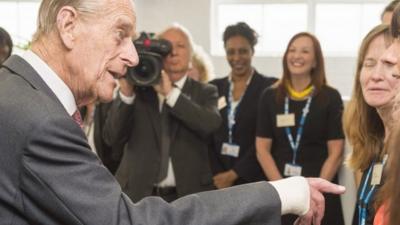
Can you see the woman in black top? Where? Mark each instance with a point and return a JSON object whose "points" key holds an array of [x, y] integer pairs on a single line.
{"points": [[299, 130], [232, 152]]}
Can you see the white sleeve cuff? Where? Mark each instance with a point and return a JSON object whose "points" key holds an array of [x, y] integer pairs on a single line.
{"points": [[173, 96], [294, 193], [127, 99]]}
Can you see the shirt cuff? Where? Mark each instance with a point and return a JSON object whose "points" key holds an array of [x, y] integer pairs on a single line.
{"points": [[294, 193], [173, 96], [127, 99]]}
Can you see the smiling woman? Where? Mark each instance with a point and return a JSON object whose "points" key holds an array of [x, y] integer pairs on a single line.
{"points": [[232, 152], [289, 140]]}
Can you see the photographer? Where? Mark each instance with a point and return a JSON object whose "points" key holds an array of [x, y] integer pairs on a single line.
{"points": [[172, 147]]}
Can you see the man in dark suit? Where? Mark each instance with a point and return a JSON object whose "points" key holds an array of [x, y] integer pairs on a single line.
{"points": [[49, 175], [191, 108]]}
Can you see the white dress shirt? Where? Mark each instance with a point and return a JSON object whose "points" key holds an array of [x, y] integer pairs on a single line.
{"points": [[53, 81]]}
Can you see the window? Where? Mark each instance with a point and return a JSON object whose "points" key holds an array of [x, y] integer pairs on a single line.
{"points": [[277, 21], [18, 18]]}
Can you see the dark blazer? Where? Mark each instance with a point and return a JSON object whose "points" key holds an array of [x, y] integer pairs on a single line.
{"points": [[192, 120], [49, 176], [110, 158], [246, 165]]}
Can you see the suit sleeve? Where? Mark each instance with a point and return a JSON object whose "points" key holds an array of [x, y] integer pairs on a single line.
{"points": [[63, 182], [117, 126], [203, 117]]}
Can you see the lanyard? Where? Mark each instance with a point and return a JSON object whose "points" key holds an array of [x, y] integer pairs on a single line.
{"points": [[365, 196], [364, 200], [295, 145], [231, 113]]}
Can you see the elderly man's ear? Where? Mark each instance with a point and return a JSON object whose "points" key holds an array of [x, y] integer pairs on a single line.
{"points": [[67, 24]]}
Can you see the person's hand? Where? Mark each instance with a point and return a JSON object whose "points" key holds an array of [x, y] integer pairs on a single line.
{"points": [[225, 179], [165, 85], [317, 201], [126, 87]]}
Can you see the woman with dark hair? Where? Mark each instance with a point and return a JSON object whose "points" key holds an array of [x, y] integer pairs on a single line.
{"points": [[6, 45], [232, 152], [299, 130]]}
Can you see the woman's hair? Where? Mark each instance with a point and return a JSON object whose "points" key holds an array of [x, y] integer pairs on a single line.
{"points": [[362, 125], [201, 60], [318, 78], [243, 30], [390, 7]]}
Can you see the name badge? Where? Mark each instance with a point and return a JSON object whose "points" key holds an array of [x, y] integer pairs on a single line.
{"points": [[230, 150], [285, 120], [377, 174], [292, 170], [221, 103]]}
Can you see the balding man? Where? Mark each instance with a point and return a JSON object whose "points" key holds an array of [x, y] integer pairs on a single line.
{"points": [[48, 174]]}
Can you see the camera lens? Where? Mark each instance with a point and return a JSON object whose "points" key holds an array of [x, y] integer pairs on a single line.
{"points": [[148, 71]]}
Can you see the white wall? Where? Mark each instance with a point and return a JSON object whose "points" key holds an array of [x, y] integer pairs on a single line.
{"points": [[195, 15], [155, 15]]}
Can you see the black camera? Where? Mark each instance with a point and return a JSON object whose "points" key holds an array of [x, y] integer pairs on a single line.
{"points": [[151, 53]]}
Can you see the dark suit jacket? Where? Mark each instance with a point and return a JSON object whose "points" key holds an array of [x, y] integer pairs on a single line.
{"points": [[246, 165], [49, 176], [192, 120], [104, 151]]}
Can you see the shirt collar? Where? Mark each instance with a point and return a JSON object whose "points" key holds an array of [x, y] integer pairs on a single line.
{"points": [[55, 83], [179, 84]]}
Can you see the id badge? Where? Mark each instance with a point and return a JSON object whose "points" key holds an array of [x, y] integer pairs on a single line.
{"points": [[221, 103], [377, 174], [292, 170], [230, 150], [285, 120]]}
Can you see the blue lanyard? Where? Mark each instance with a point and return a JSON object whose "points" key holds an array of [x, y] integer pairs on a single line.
{"points": [[364, 200], [364, 197], [295, 145], [231, 113]]}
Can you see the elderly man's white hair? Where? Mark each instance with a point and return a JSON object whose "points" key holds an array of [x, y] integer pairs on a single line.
{"points": [[49, 9], [183, 30]]}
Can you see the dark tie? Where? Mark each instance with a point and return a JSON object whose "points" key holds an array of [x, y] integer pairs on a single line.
{"points": [[165, 143], [78, 118]]}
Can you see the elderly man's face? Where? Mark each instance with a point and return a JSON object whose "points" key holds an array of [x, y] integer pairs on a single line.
{"points": [[104, 50], [176, 64]]}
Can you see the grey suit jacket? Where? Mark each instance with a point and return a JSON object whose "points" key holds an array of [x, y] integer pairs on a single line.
{"points": [[49, 176], [192, 120]]}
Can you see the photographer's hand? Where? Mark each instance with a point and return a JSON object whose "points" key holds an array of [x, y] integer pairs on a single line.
{"points": [[126, 88], [165, 85]]}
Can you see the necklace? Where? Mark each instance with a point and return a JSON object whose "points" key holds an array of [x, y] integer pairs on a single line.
{"points": [[299, 94]]}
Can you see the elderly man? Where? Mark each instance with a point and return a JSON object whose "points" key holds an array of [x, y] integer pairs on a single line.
{"points": [[166, 143], [48, 173]]}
